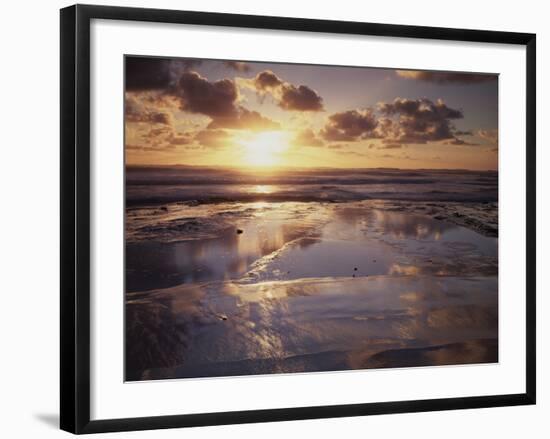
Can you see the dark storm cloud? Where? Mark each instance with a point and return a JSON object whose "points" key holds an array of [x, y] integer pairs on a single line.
{"points": [[238, 66], [350, 125], [287, 96], [307, 138], [446, 77]]}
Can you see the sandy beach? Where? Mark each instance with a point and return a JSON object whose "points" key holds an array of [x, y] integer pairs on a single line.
{"points": [[261, 283]]}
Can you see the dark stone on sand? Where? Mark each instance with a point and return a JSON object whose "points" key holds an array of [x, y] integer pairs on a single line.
{"points": [[239, 231]]}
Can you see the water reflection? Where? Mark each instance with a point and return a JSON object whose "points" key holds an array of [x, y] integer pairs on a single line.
{"points": [[290, 287], [401, 225], [263, 189], [296, 244], [314, 325]]}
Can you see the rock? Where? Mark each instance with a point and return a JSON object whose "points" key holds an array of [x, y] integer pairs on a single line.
{"points": [[355, 269], [239, 231]]}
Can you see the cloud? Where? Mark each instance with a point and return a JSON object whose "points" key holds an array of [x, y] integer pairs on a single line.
{"points": [[402, 121], [491, 136], [151, 117], [267, 80], [166, 137], [180, 139], [146, 74], [135, 111], [301, 98], [198, 95], [460, 142], [150, 126], [244, 119], [141, 148], [418, 121], [158, 138], [446, 77], [213, 138], [238, 66], [350, 125], [286, 95], [390, 146], [464, 133], [353, 153], [219, 101], [307, 138]]}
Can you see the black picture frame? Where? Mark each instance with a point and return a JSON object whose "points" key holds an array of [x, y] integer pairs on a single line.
{"points": [[75, 217]]}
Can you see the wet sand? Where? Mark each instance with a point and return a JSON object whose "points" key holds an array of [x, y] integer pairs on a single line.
{"points": [[281, 287]]}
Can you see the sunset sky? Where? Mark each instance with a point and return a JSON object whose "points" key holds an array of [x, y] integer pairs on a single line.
{"points": [[244, 114]]}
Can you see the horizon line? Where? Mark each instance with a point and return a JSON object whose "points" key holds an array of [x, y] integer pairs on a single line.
{"points": [[283, 168]]}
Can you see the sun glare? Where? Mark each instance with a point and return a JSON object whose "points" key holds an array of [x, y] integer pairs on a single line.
{"points": [[265, 148]]}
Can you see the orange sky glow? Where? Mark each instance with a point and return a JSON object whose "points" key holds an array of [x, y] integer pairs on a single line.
{"points": [[269, 116]]}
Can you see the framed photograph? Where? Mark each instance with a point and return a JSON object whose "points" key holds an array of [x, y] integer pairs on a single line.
{"points": [[268, 218]]}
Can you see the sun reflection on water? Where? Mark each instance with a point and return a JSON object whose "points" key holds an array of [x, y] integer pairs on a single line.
{"points": [[263, 189]]}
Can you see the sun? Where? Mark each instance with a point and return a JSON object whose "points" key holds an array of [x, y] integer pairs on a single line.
{"points": [[265, 148]]}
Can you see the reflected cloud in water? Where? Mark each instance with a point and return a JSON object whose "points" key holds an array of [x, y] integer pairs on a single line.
{"points": [[294, 287], [311, 325]]}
